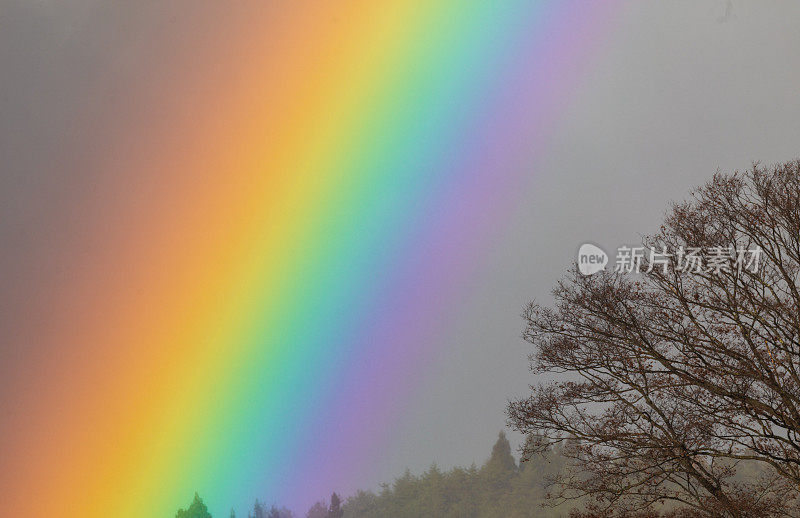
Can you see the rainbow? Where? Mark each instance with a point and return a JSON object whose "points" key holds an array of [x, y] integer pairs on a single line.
{"points": [[278, 214]]}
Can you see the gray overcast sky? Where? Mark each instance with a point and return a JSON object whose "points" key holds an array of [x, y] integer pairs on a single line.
{"points": [[678, 90], [675, 94]]}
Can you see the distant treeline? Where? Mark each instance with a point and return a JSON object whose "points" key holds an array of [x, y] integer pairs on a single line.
{"points": [[499, 488]]}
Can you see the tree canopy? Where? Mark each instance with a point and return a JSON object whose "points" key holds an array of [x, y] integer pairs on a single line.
{"points": [[197, 509], [675, 378]]}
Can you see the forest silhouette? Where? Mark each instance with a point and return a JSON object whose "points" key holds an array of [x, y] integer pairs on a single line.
{"points": [[500, 487]]}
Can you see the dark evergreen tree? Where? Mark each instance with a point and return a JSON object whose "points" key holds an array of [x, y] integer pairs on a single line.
{"points": [[197, 509], [501, 459], [258, 510], [335, 509], [497, 475]]}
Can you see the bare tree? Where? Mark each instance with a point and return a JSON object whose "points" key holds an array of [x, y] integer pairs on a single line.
{"points": [[673, 377]]}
